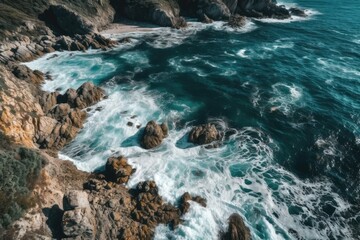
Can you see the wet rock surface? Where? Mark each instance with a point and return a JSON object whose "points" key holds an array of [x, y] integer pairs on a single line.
{"points": [[204, 134], [153, 134], [237, 230]]}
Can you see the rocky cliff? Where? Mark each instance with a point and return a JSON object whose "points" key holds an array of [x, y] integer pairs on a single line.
{"points": [[53, 197]]}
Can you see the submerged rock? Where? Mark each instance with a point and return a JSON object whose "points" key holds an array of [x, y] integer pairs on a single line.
{"points": [[237, 230], [204, 134], [153, 134]]}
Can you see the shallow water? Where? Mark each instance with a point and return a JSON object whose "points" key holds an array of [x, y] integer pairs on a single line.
{"points": [[289, 90]]}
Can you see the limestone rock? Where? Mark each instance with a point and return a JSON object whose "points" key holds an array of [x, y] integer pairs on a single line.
{"points": [[153, 134]]}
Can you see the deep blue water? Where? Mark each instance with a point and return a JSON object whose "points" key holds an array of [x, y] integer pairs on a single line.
{"points": [[290, 90]]}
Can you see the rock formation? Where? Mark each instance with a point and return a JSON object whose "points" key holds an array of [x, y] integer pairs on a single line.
{"points": [[237, 230], [237, 21], [204, 134], [118, 170], [153, 135], [160, 12]]}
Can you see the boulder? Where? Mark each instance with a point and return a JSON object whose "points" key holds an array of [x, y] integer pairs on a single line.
{"points": [[237, 21], [153, 134], [87, 95], [237, 230], [79, 223], [76, 199], [118, 170], [160, 12], [204, 134]]}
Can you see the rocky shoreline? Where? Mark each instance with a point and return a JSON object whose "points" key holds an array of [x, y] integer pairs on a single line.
{"points": [[66, 202]]}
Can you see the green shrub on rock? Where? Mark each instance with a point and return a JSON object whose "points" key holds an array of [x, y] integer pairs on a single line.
{"points": [[19, 171]]}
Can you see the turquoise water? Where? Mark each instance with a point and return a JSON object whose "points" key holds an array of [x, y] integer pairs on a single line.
{"points": [[286, 92]]}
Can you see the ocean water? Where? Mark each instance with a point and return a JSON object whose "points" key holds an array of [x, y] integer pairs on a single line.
{"points": [[286, 93]]}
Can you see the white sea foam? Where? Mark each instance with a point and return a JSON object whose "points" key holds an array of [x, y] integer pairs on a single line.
{"points": [[285, 98], [239, 176]]}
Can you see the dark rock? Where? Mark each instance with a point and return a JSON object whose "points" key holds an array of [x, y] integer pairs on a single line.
{"points": [[237, 229], [231, 4], [130, 124], [160, 12], [87, 95], [25, 73], [262, 8], [70, 22], [204, 134], [153, 135], [215, 9], [204, 19], [237, 21], [297, 12]]}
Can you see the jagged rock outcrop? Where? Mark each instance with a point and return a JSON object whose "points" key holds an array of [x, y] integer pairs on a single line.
{"points": [[261, 9], [237, 21], [64, 116], [153, 134], [160, 12], [118, 170], [214, 9], [237, 230], [78, 220], [184, 204], [204, 134]]}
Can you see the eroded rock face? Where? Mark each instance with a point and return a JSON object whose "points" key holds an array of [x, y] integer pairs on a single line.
{"points": [[153, 135], [64, 116], [118, 170], [237, 229], [76, 199], [261, 9], [214, 9], [204, 134], [160, 12], [237, 21], [79, 222], [184, 204]]}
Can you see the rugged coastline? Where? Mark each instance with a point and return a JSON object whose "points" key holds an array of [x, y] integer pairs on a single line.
{"points": [[44, 122]]}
